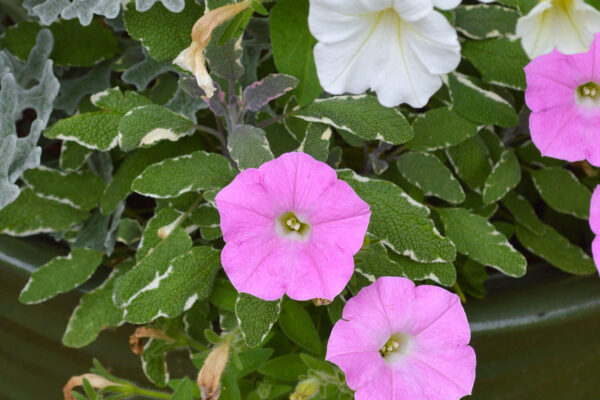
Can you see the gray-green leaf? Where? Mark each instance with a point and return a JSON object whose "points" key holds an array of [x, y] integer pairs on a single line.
{"points": [[440, 128], [192, 172], [256, 317], [478, 104], [563, 191], [400, 221], [60, 275], [187, 279], [504, 177], [476, 238], [428, 173], [362, 116], [249, 147]]}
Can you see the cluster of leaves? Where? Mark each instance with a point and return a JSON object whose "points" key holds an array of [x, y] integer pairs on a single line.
{"points": [[134, 155]]}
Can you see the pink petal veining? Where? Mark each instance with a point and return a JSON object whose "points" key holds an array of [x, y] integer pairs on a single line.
{"points": [[561, 127], [265, 264], [438, 364]]}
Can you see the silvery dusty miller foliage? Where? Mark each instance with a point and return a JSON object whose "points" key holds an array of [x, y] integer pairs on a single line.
{"points": [[113, 97]]}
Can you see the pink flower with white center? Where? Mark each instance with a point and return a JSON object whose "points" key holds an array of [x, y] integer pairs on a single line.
{"points": [[291, 227], [595, 224], [563, 93], [396, 341]]}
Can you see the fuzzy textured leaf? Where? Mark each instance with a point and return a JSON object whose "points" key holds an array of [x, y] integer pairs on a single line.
{"points": [[187, 279], [476, 238], [440, 128], [60, 275], [362, 116], [428, 173], [563, 191], [192, 172], [400, 221], [256, 317]]}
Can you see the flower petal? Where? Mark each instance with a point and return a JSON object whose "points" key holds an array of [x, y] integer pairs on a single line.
{"points": [[245, 207], [449, 376], [260, 267], [596, 252], [321, 271], [570, 29], [297, 181], [595, 212]]}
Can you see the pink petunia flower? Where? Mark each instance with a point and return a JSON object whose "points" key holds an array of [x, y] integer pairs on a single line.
{"points": [[563, 93], [396, 341], [595, 224], [291, 227]]}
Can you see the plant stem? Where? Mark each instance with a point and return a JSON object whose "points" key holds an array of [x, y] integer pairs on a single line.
{"points": [[149, 393], [273, 120]]}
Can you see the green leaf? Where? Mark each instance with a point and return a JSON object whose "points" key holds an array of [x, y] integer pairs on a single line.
{"points": [[293, 47], [440, 128], [73, 155], [129, 231], [523, 212], [31, 214], [374, 261], [150, 238], [288, 367], [153, 262], [60, 275], [135, 163], [249, 147], [504, 177], [478, 104], [490, 58], [557, 250], [192, 172], [119, 102], [78, 189], [187, 278], [297, 325], [147, 125], [98, 130], [96, 311], [472, 162], [184, 390], [400, 221], [224, 295], [485, 21], [563, 191], [362, 116], [316, 142], [165, 34], [476, 238], [94, 130], [428, 173], [154, 363], [225, 56], [256, 317], [75, 45], [471, 278]]}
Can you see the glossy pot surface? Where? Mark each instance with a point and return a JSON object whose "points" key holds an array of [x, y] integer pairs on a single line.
{"points": [[536, 338]]}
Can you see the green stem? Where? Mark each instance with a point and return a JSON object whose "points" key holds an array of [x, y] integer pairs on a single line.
{"points": [[150, 393]]}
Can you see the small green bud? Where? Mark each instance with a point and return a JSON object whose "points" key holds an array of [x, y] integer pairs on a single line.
{"points": [[306, 389]]}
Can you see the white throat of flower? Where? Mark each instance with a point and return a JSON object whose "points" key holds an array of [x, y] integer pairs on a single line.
{"points": [[588, 95], [396, 348], [292, 227]]}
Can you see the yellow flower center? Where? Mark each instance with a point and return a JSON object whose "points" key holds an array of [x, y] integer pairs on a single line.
{"points": [[588, 94], [292, 227], [397, 346]]}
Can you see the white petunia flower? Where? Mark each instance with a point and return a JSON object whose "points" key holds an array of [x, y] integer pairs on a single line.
{"points": [[567, 25], [397, 48]]}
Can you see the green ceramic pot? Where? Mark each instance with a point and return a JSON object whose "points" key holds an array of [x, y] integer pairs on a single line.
{"points": [[535, 338]]}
